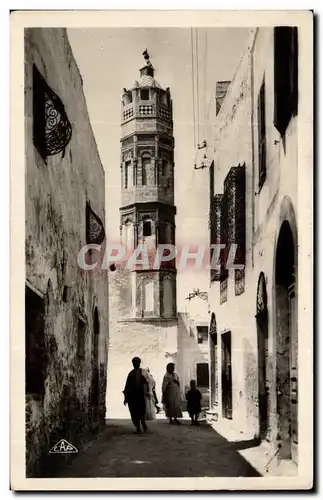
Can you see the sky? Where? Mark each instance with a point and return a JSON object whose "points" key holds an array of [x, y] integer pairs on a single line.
{"points": [[109, 60]]}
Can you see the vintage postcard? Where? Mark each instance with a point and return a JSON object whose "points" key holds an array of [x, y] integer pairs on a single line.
{"points": [[162, 250]]}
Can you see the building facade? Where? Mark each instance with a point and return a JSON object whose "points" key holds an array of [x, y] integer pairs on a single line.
{"points": [[66, 306], [253, 325]]}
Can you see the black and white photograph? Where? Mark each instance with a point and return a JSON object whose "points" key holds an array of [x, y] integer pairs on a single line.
{"points": [[165, 216]]}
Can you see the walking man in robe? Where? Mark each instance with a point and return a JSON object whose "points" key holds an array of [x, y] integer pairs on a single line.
{"points": [[134, 392]]}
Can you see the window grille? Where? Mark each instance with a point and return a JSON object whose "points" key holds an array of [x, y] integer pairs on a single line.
{"points": [[215, 232], [128, 114], [239, 281], [224, 290], [234, 216], [164, 113], [146, 110], [52, 130]]}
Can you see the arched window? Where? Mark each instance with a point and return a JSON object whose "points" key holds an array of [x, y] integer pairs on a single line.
{"points": [[127, 238], [146, 227], [261, 298]]}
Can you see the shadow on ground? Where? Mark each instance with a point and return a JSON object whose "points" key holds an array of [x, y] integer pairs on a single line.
{"points": [[164, 451]]}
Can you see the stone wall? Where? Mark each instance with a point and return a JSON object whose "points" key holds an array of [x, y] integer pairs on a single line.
{"points": [[56, 194]]}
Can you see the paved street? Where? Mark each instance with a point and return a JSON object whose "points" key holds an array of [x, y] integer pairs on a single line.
{"points": [[165, 451]]}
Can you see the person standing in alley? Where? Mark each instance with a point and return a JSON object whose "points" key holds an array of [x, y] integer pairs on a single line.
{"points": [[150, 395], [135, 392], [172, 394], [193, 397]]}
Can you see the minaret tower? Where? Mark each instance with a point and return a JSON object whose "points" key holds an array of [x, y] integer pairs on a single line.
{"points": [[147, 212]]}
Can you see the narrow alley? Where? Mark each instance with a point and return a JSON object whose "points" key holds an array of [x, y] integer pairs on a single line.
{"points": [[164, 451]]}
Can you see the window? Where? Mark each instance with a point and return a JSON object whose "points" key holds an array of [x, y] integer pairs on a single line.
{"points": [[285, 76], [261, 136], [146, 228], [202, 375], [52, 130], [81, 329], [144, 94], [202, 334], [36, 356]]}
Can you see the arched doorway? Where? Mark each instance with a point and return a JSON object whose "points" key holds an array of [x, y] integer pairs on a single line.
{"points": [[262, 347], [95, 388], [213, 362], [286, 344]]}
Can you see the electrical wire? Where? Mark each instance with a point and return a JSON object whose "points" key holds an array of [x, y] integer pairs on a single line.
{"points": [[193, 89], [205, 78], [197, 85]]}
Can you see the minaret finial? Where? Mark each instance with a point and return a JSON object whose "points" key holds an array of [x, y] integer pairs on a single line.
{"points": [[146, 56]]}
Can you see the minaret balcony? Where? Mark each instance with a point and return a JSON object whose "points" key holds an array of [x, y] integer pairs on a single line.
{"points": [[146, 194]]}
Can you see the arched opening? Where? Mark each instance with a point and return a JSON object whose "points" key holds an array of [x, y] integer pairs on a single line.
{"points": [[286, 343], [128, 235], [213, 362], [95, 400], [262, 346]]}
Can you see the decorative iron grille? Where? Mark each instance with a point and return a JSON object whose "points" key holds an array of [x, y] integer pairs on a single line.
{"points": [[239, 281], [234, 208], [215, 231], [224, 290], [95, 232], [52, 130]]}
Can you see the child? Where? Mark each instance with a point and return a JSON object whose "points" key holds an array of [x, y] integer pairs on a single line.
{"points": [[193, 397]]}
